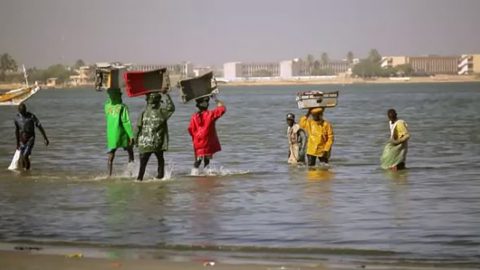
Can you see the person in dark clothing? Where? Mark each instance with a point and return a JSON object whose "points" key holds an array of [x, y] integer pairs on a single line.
{"points": [[25, 123], [152, 131]]}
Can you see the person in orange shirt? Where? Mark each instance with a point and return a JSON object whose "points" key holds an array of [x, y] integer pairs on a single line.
{"points": [[320, 136]]}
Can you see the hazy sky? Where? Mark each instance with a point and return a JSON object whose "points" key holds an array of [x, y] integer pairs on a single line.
{"points": [[44, 32]]}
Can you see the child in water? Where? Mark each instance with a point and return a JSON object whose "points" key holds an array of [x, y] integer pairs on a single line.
{"points": [[203, 131]]}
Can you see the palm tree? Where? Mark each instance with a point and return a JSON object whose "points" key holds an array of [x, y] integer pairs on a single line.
{"points": [[7, 63], [324, 59], [350, 57], [310, 60], [374, 56], [79, 63]]}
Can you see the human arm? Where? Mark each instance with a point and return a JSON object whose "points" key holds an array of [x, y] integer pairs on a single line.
{"points": [[40, 127], [138, 128], [46, 141], [218, 101], [169, 107], [309, 112], [17, 134], [330, 137], [192, 128], [303, 122], [400, 140], [402, 134], [220, 110], [127, 124], [301, 137]]}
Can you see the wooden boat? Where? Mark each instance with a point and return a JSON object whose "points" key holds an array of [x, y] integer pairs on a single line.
{"points": [[17, 96]]}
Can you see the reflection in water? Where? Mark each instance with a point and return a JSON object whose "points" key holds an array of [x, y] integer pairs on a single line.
{"points": [[316, 174], [205, 206], [66, 197], [126, 205], [118, 196], [319, 191], [399, 195], [399, 177]]}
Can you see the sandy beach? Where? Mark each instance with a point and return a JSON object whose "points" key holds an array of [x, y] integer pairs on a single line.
{"points": [[36, 260], [19, 260], [73, 258], [326, 81]]}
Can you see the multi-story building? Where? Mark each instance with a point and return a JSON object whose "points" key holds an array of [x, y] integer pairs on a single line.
{"points": [[232, 70], [292, 68], [393, 61], [84, 76], [336, 67], [424, 64], [184, 69], [239, 70], [197, 71], [261, 70], [469, 64], [434, 64]]}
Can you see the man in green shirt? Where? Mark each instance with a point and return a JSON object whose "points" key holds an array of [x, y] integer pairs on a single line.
{"points": [[119, 128], [152, 131]]}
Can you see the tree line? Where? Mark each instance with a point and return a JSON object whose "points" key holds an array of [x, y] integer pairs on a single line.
{"points": [[9, 71], [366, 68]]}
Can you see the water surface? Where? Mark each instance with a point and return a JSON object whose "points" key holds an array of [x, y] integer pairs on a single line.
{"points": [[430, 211]]}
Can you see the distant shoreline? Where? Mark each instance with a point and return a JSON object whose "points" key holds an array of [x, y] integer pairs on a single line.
{"points": [[327, 81], [345, 81]]}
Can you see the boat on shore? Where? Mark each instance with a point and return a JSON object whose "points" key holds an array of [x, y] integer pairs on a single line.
{"points": [[16, 96]]}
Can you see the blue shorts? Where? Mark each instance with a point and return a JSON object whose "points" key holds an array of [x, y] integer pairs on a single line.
{"points": [[27, 147]]}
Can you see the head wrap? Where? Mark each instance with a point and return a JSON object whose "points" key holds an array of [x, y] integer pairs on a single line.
{"points": [[317, 110], [115, 95], [154, 98], [202, 103]]}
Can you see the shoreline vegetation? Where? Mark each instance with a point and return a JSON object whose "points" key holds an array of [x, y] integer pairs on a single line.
{"points": [[316, 81]]}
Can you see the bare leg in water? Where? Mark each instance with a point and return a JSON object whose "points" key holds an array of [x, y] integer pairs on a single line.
{"points": [[144, 157], [111, 157], [161, 164], [198, 161]]}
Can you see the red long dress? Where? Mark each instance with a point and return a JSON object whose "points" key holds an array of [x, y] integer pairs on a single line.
{"points": [[203, 132]]}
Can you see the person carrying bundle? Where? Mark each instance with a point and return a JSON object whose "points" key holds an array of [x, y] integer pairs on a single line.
{"points": [[203, 132], [320, 136]]}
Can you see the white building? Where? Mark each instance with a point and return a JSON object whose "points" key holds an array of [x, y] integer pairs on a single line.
{"points": [[393, 61], [469, 64], [84, 76], [232, 71], [292, 68]]}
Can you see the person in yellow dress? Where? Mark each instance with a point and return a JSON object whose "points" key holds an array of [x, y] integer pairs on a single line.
{"points": [[320, 136], [394, 154]]}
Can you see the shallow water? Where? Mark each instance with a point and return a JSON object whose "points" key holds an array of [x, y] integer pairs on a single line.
{"points": [[430, 211]]}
